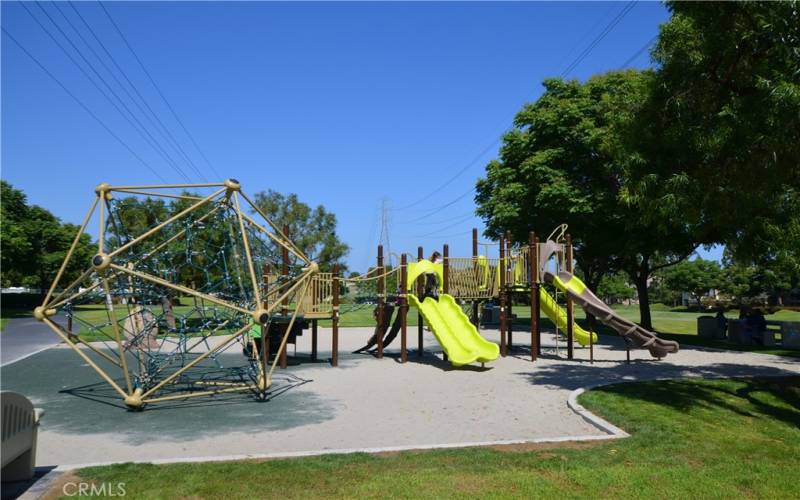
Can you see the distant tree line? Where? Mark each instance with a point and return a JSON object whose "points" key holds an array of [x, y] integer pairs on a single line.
{"points": [[34, 242]]}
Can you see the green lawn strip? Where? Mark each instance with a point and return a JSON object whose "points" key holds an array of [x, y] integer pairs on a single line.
{"points": [[680, 326], [690, 438], [722, 344], [9, 313]]}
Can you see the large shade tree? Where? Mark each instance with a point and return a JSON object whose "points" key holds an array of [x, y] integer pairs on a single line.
{"points": [[564, 162], [720, 131]]}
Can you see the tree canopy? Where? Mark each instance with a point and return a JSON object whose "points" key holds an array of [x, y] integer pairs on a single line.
{"points": [[697, 277], [645, 166], [35, 243], [720, 130], [564, 163], [312, 230]]}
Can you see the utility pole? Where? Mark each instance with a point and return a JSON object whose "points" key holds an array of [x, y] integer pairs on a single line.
{"points": [[384, 238]]}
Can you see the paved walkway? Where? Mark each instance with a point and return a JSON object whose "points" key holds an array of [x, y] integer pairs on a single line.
{"points": [[365, 403], [25, 336]]}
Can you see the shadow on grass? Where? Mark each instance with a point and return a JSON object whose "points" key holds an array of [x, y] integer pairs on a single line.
{"points": [[573, 375], [686, 395]]}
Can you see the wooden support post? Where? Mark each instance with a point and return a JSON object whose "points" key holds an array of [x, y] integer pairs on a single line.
{"points": [[446, 269], [592, 326], [285, 304], [381, 301], [420, 293], [510, 297], [335, 318], [313, 340], [538, 308], [445, 279], [476, 269], [501, 268], [533, 271], [570, 311], [403, 303], [315, 300]]}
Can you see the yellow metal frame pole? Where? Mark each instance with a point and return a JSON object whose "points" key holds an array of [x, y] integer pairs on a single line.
{"points": [[167, 186], [253, 278], [172, 219], [195, 361], [299, 253], [101, 238], [274, 238], [200, 394], [113, 316], [86, 358], [179, 288], [70, 251], [59, 301], [287, 332], [161, 195]]}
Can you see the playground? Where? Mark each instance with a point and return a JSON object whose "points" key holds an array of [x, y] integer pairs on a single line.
{"points": [[210, 336], [176, 296]]}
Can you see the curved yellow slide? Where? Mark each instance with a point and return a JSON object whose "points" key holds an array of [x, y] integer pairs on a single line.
{"points": [[454, 331], [559, 316]]}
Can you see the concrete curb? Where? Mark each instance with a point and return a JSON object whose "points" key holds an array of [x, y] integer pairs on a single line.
{"points": [[345, 451], [612, 430]]}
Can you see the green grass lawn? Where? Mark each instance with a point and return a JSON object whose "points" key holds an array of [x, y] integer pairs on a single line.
{"points": [[675, 325], [680, 326], [690, 439]]}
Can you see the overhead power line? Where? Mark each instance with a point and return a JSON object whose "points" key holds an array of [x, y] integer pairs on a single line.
{"points": [[158, 89], [568, 69], [453, 178], [639, 52], [84, 106], [129, 117], [599, 38], [453, 224], [159, 124]]}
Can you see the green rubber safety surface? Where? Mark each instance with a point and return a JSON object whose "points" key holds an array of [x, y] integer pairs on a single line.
{"points": [[76, 400]]}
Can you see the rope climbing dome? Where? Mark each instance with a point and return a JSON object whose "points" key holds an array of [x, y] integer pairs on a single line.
{"points": [[161, 300]]}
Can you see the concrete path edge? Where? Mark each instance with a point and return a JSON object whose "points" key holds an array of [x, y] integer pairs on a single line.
{"points": [[612, 430]]}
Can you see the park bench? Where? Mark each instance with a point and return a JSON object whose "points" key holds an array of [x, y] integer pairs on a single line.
{"points": [[19, 429]]}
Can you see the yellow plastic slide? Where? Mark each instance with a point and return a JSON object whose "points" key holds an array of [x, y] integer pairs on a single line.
{"points": [[454, 331], [559, 316]]}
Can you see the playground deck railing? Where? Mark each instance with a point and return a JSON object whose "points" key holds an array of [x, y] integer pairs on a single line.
{"points": [[473, 278], [319, 300]]}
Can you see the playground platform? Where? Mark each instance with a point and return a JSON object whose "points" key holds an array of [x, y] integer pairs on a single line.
{"points": [[365, 404]]}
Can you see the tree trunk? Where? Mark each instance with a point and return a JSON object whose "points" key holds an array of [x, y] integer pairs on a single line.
{"points": [[591, 284], [644, 301]]}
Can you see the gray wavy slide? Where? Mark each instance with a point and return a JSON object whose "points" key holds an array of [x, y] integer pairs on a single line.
{"points": [[629, 330]]}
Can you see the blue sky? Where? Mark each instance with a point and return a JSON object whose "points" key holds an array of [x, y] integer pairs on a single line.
{"points": [[350, 105]]}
